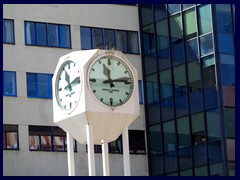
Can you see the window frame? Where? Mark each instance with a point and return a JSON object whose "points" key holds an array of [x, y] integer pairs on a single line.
{"points": [[47, 35], [13, 31], [10, 126], [15, 84], [37, 86]]}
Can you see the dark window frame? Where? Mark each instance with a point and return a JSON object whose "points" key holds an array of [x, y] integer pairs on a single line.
{"points": [[9, 128]]}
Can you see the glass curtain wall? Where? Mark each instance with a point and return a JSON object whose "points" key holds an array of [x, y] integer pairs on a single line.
{"points": [[188, 72]]}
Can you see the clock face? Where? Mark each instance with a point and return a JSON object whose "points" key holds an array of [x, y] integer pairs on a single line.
{"points": [[68, 85], [111, 80]]}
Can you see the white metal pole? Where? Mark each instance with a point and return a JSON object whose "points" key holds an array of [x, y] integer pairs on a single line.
{"points": [[70, 155], [126, 157], [90, 145], [105, 158]]}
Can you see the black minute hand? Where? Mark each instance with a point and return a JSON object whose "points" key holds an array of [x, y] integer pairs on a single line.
{"points": [[125, 80], [107, 72]]}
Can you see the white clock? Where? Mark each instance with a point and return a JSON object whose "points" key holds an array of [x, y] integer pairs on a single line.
{"points": [[110, 80], [68, 86]]}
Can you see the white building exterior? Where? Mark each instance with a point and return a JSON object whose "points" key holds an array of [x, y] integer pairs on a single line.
{"points": [[24, 111]]}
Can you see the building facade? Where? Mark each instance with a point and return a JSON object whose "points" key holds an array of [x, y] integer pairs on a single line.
{"points": [[188, 60], [185, 57], [34, 38]]}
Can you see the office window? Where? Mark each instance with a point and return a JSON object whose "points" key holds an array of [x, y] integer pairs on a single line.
{"points": [[206, 44], [121, 38], [137, 142], [109, 38], [85, 38], [176, 30], [156, 145], [8, 31], [47, 138], [173, 8], [140, 89], [10, 137], [146, 13], [169, 136], [224, 18], [160, 11], [186, 6], [190, 24], [162, 34], [230, 121], [9, 83], [164, 59], [178, 56], [132, 42], [226, 43], [191, 49], [149, 46], [39, 85], [45, 34], [97, 38], [204, 19]]}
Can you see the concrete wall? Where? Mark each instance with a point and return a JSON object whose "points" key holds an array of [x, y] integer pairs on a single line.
{"points": [[32, 111]]}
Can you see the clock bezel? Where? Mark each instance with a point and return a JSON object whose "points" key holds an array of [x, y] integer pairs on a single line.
{"points": [[56, 83], [133, 80]]}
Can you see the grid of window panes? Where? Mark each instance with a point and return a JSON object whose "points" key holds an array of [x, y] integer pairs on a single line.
{"points": [[181, 71], [47, 138], [47, 34], [10, 137], [101, 38]]}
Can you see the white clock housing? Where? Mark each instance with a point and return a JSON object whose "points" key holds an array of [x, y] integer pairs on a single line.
{"points": [[107, 120]]}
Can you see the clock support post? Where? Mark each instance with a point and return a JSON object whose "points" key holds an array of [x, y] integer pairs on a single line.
{"points": [[126, 157], [105, 159], [70, 155], [90, 145]]}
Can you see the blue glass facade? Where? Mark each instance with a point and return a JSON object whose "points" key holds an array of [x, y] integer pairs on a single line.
{"points": [[188, 57]]}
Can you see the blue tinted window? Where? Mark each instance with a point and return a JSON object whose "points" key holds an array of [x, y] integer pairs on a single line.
{"points": [[226, 43], [64, 35], [164, 59], [30, 33], [140, 91], [178, 54], [132, 42], [121, 37], [227, 69], [210, 97], [39, 85], [9, 83], [53, 35], [224, 18], [86, 38], [109, 39], [160, 11], [173, 8], [192, 49], [8, 31], [206, 44], [204, 19], [41, 34], [97, 38]]}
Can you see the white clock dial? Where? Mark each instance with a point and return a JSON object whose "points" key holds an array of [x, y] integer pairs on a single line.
{"points": [[111, 80], [68, 85]]}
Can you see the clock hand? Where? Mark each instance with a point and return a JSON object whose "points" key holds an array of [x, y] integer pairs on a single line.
{"points": [[73, 83], [107, 72], [122, 79]]}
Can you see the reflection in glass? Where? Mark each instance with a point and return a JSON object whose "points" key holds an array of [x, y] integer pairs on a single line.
{"points": [[121, 37], [173, 8], [132, 42], [109, 39], [157, 165], [41, 34], [170, 161], [209, 78], [204, 19], [191, 49], [148, 40], [160, 11], [226, 43], [162, 34], [97, 38], [190, 25], [224, 18], [178, 54], [185, 6], [169, 136], [230, 121], [85, 38], [176, 29], [52, 31], [146, 14], [227, 69], [164, 61], [206, 44], [201, 171], [30, 33], [155, 139]]}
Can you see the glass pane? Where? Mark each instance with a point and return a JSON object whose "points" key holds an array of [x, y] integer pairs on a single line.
{"points": [[224, 18], [31, 85], [121, 41], [217, 169], [167, 105], [204, 19], [149, 46], [160, 11], [162, 34], [169, 136], [176, 29], [137, 142], [53, 35], [41, 34], [12, 142], [206, 44], [215, 151], [227, 69], [43, 85], [4, 143], [9, 83], [209, 78], [58, 142], [170, 161], [132, 42], [198, 129], [34, 143], [64, 33], [184, 139], [230, 121], [186, 172], [150, 64], [164, 59], [30, 33], [85, 38], [178, 54], [226, 43], [8, 31], [155, 139], [210, 97], [185, 6], [157, 165], [213, 125], [146, 14], [109, 41], [153, 99], [45, 142], [185, 157], [173, 8], [97, 38], [180, 91], [190, 25], [192, 49], [201, 171]]}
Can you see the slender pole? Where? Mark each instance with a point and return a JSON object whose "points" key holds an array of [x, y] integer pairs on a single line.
{"points": [[126, 157], [90, 145], [70, 155], [105, 158]]}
